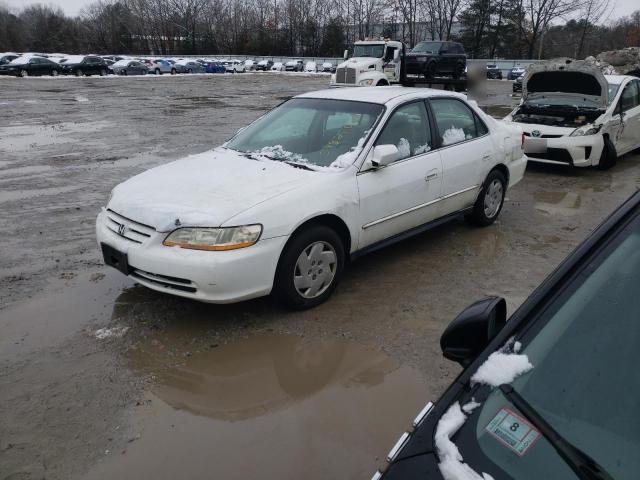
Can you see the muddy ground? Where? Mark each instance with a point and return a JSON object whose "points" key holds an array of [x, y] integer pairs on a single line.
{"points": [[101, 379]]}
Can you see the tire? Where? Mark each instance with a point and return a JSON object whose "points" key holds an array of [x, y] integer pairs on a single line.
{"points": [[78, 73], [173, 71], [103, 73], [189, 71], [490, 200], [382, 83], [294, 287], [609, 156], [430, 70], [457, 73], [157, 71], [24, 73], [54, 73]]}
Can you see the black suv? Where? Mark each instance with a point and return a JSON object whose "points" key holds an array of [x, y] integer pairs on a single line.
{"points": [[89, 65], [436, 58]]}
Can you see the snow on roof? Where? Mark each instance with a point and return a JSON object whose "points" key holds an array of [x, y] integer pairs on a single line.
{"points": [[122, 63], [376, 94], [73, 59], [23, 60]]}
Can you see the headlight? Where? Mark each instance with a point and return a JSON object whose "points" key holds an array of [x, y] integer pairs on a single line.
{"points": [[366, 83], [227, 238], [586, 130]]}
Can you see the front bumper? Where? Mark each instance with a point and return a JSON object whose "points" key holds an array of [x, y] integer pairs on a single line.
{"points": [[582, 151], [214, 277]]}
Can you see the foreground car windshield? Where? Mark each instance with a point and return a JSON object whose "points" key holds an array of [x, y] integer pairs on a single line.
{"points": [[375, 51], [309, 130], [584, 382]]}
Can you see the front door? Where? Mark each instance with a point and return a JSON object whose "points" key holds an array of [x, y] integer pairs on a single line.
{"points": [[406, 193], [628, 136]]}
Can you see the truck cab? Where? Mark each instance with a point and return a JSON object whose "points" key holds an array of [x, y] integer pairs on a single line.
{"points": [[374, 63]]}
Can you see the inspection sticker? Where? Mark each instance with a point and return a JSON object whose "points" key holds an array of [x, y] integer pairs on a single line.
{"points": [[513, 431]]}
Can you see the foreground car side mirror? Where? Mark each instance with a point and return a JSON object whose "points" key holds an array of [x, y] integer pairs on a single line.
{"points": [[383, 155], [471, 331]]}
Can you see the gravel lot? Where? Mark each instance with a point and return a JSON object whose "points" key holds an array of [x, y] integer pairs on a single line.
{"points": [[103, 379]]}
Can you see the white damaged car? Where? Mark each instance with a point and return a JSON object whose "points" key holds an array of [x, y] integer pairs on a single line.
{"points": [[323, 178], [572, 114]]}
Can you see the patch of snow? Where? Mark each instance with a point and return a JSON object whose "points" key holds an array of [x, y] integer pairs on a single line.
{"points": [[470, 406], [517, 346], [423, 148], [404, 147], [113, 332], [452, 135], [23, 60], [80, 98], [451, 465], [501, 368], [278, 152], [346, 159], [121, 63], [72, 59]]}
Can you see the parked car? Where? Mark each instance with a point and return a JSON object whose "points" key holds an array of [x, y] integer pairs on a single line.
{"points": [[81, 65], [109, 66], [283, 205], [264, 65], [277, 67], [572, 114], [30, 66], [294, 66], [188, 66], [311, 67], [129, 67], [515, 72], [517, 84], [215, 67], [114, 58], [234, 66], [430, 59], [546, 410], [7, 57], [494, 72], [159, 66], [250, 65], [328, 67]]}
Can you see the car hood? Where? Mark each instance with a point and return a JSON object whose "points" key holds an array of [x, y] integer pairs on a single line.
{"points": [[203, 190], [359, 62], [577, 79]]}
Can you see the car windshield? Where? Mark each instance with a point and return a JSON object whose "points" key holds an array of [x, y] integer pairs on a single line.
{"points": [[375, 51], [427, 47], [613, 89], [584, 382], [320, 132]]}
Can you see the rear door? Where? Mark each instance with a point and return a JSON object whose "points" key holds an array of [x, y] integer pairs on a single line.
{"points": [[466, 149], [406, 193]]}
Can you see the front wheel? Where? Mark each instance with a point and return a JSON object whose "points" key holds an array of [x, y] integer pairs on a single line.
{"points": [[310, 268], [78, 73], [173, 71], [54, 73], [103, 73], [157, 71], [609, 156], [24, 73], [490, 200]]}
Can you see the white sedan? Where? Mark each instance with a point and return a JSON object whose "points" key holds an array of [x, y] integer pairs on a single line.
{"points": [[572, 114], [324, 177]]}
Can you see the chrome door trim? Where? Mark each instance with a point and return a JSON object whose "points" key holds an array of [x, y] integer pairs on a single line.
{"points": [[417, 207]]}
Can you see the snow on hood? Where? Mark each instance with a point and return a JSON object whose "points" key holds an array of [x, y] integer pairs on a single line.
{"points": [[577, 79], [203, 190]]}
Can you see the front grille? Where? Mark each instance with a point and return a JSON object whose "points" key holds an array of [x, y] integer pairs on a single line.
{"points": [[554, 154], [346, 75], [172, 283], [128, 229], [527, 134]]}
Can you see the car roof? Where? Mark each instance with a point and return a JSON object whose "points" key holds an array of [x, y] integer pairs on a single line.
{"points": [[617, 79], [380, 95]]}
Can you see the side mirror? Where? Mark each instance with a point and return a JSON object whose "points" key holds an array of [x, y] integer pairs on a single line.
{"points": [[472, 330], [345, 55], [383, 155]]}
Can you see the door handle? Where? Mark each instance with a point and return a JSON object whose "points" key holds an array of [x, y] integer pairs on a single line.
{"points": [[487, 156], [431, 176]]}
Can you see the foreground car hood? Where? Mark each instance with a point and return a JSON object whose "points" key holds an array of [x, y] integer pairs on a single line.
{"points": [[203, 190], [577, 80]]}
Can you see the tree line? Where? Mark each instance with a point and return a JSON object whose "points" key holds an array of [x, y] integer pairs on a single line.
{"points": [[487, 28]]}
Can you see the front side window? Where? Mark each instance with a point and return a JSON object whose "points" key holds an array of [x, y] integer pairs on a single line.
{"points": [[584, 381], [314, 131], [456, 121], [408, 129]]}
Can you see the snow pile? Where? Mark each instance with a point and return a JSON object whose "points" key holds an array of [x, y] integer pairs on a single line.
{"points": [[113, 332], [404, 147], [501, 368], [452, 135], [279, 153], [451, 465], [623, 61], [423, 148]]}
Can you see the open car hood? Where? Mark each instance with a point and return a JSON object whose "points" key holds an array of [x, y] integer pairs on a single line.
{"points": [[560, 79]]}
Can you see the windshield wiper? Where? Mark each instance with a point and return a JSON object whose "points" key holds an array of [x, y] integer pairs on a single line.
{"points": [[299, 165], [585, 467]]}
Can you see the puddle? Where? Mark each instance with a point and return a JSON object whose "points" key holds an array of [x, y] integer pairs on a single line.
{"points": [[268, 406]]}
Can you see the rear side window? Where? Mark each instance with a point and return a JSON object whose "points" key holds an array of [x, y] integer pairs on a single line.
{"points": [[456, 121]]}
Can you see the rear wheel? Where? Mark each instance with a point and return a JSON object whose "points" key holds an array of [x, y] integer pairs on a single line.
{"points": [[124, 72], [157, 71], [458, 71], [79, 73], [490, 200], [54, 73], [24, 73], [609, 156], [173, 71], [430, 70], [310, 268], [103, 72]]}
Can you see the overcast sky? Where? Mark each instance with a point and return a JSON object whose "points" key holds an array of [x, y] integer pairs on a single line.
{"points": [[72, 7]]}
